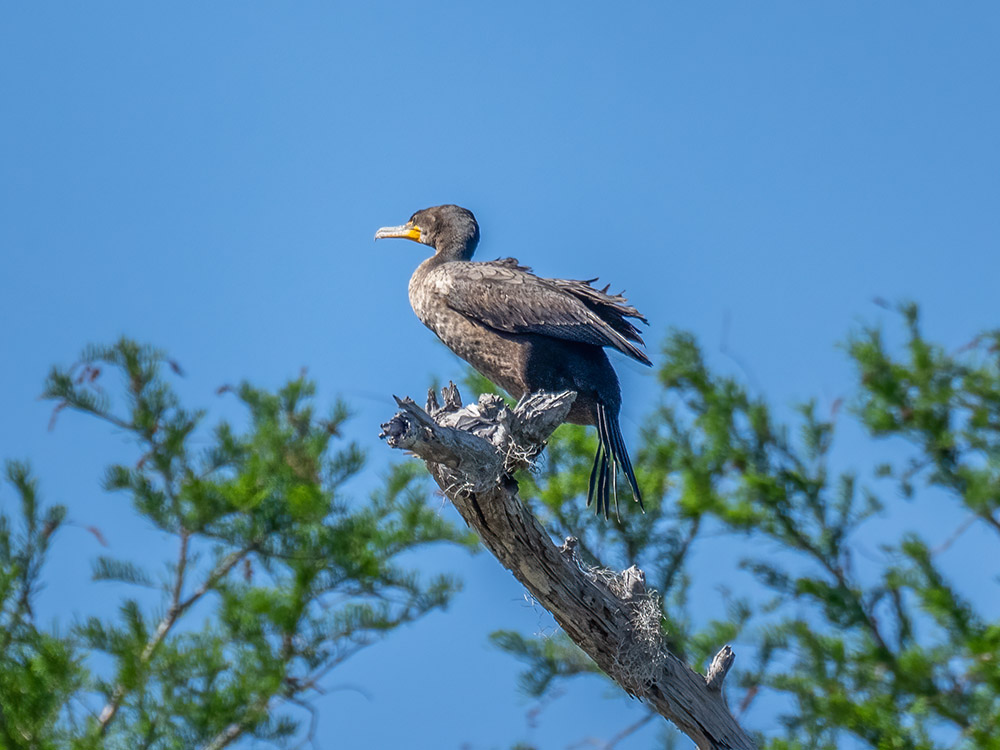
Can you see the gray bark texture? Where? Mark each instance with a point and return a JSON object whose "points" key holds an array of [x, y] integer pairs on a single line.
{"points": [[472, 453]]}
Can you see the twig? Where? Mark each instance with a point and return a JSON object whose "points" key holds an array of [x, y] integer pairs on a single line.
{"points": [[177, 608], [235, 730], [962, 528], [622, 735], [629, 730]]}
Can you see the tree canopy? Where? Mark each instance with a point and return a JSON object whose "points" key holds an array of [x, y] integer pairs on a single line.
{"points": [[848, 623], [276, 579], [869, 645]]}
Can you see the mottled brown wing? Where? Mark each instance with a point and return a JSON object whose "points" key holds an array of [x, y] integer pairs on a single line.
{"points": [[508, 297]]}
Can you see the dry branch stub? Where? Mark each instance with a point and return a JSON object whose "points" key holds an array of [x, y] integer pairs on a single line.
{"points": [[472, 452]]}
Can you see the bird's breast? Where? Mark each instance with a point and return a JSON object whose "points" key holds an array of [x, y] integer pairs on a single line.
{"points": [[498, 356], [428, 290]]}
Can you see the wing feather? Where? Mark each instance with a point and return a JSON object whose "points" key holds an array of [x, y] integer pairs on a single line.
{"points": [[508, 297]]}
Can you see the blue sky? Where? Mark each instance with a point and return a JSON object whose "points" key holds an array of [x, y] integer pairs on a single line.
{"points": [[208, 178]]}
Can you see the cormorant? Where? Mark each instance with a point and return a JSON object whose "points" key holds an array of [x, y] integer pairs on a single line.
{"points": [[526, 333]]}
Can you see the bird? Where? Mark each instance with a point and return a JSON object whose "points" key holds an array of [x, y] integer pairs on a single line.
{"points": [[526, 333]]}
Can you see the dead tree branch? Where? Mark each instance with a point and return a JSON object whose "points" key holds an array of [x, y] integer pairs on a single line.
{"points": [[472, 453]]}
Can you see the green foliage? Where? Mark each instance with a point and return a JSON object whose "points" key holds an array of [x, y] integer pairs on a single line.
{"points": [[278, 577], [39, 671], [885, 651], [287, 577]]}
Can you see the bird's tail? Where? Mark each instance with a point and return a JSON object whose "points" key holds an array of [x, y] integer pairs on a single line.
{"points": [[611, 454]]}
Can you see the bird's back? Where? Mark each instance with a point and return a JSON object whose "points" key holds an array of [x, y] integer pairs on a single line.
{"points": [[507, 297]]}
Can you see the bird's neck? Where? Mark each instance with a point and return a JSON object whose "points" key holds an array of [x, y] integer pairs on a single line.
{"points": [[455, 250]]}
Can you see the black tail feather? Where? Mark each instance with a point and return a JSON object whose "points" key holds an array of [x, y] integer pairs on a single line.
{"points": [[602, 485], [622, 455], [607, 447], [614, 487], [593, 478], [611, 454]]}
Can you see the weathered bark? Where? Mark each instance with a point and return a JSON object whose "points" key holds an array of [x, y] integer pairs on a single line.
{"points": [[472, 452]]}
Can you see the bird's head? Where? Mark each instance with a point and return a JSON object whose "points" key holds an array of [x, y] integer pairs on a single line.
{"points": [[451, 230]]}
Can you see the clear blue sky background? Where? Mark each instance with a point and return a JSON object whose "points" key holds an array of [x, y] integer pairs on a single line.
{"points": [[208, 178]]}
